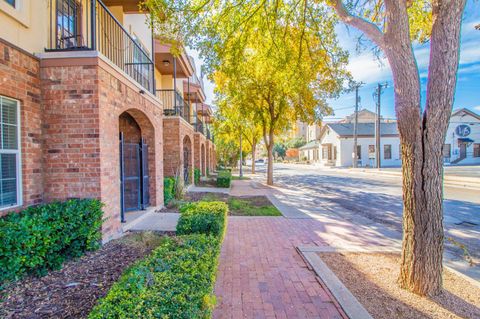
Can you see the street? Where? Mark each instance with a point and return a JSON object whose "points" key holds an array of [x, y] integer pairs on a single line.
{"points": [[366, 209]]}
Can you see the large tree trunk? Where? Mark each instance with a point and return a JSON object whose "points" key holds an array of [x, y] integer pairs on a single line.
{"points": [[270, 163], [254, 148], [269, 144], [422, 136], [422, 253]]}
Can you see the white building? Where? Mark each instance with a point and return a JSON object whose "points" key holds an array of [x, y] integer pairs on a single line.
{"points": [[462, 142], [335, 145]]}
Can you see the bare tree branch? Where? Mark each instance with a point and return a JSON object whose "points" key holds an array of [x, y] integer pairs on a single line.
{"points": [[370, 29]]}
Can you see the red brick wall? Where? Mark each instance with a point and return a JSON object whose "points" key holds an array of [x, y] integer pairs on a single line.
{"points": [[83, 101], [199, 143], [71, 131], [117, 95], [70, 115], [19, 79], [174, 132]]}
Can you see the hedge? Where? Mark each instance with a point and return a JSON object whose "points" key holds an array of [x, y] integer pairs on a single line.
{"points": [[177, 279], [168, 189], [196, 175], [42, 237], [203, 217], [224, 178]]}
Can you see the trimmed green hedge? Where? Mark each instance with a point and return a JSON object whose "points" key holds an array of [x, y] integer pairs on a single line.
{"points": [[43, 237], [177, 279], [204, 218], [196, 175], [224, 178], [168, 189]]}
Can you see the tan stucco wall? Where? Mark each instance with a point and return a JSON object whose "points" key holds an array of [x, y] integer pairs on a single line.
{"points": [[27, 25]]}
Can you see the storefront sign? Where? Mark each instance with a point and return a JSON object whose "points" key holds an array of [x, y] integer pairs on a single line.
{"points": [[463, 130]]}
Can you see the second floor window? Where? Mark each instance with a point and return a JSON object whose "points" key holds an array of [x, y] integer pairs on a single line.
{"points": [[11, 2], [68, 24]]}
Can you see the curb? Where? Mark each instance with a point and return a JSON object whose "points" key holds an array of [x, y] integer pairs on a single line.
{"points": [[352, 307]]}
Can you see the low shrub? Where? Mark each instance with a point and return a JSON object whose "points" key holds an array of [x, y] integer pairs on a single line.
{"points": [[196, 175], [168, 189], [43, 237], [224, 178], [203, 217], [177, 279]]}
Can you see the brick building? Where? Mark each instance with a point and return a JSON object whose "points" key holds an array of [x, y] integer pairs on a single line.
{"points": [[82, 115]]}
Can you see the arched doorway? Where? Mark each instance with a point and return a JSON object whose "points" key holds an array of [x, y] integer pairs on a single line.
{"points": [[187, 160], [202, 159], [135, 133]]}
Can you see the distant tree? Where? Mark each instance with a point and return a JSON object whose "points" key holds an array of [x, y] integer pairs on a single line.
{"points": [[297, 142], [280, 150]]}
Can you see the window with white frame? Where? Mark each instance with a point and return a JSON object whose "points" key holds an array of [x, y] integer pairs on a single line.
{"points": [[11, 2], [10, 190]]}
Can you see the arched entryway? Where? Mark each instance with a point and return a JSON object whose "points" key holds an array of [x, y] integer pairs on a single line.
{"points": [[136, 144], [187, 160], [202, 159]]}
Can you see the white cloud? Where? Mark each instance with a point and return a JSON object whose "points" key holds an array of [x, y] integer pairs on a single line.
{"points": [[366, 68], [477, 107]]}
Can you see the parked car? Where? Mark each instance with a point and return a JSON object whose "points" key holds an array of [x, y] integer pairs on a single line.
{"points": [[261, 162]]}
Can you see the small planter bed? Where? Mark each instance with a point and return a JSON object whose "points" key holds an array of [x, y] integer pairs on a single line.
{"points": [[177, 279], [73, 291], [239, 206], [372, 279]]}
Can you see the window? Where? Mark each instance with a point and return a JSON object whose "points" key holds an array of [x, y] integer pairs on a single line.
{"points": [[447, 150], [476, 150], [335, 153], [9, 153], [359, 151], [387, 151], [11, 2], [68, 24]]}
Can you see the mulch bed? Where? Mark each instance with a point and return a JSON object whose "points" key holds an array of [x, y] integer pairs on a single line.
{"points": [[73, 291], [372, 279]]}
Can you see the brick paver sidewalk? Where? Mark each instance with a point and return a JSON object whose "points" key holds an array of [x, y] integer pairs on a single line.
{"points": [[261, 275]]}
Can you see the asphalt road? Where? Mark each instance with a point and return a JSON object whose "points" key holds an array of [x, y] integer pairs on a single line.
{"points": [[368, 208]]}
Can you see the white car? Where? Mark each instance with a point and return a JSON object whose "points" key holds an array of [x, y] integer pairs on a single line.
{"points": [[261, 162]]}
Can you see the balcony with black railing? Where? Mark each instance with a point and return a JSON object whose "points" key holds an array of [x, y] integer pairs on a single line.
{"points": [[89, 25], [174, 104]]}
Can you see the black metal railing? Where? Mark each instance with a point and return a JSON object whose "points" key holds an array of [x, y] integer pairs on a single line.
{"points": [[89, 25], [174, 104], [199, 127]]}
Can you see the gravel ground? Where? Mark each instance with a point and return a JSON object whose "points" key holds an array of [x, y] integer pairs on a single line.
{"points": [[372, 279], [73, 291]]}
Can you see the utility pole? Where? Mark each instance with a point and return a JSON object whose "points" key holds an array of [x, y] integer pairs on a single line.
{"points": [[355, 124], [377, 124]]}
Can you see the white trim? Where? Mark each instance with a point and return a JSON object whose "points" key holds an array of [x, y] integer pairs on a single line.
{"points": [[20, 12], [18, 152]]}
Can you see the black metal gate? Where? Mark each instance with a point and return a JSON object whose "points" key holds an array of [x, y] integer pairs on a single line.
{"points": [[186, 160], [134, 179]]}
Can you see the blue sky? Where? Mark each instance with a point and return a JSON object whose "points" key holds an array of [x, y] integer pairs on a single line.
{"points": [[368, 69]]}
